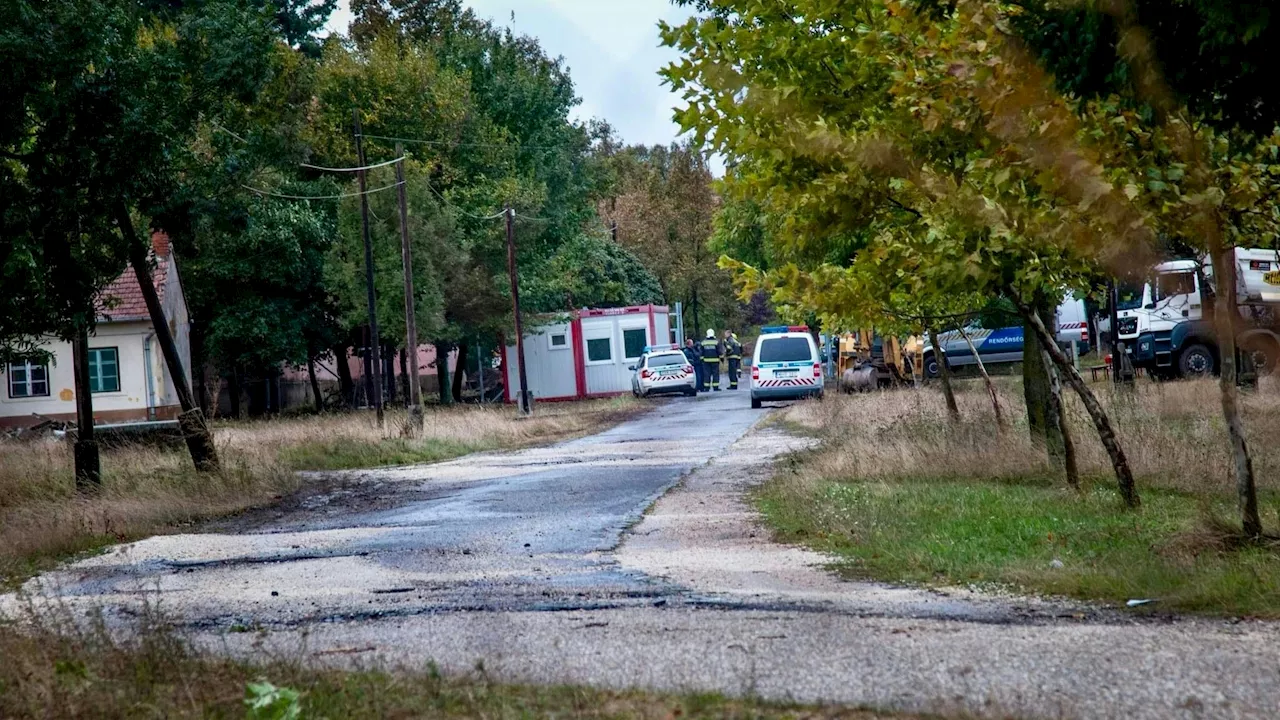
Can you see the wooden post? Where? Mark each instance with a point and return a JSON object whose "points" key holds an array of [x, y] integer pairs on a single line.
{"points": [[194, 428], [525, 396], [374, 342]]}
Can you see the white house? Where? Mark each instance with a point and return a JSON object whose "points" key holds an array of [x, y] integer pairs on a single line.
{"points": [[587, 354], [127, 371]]}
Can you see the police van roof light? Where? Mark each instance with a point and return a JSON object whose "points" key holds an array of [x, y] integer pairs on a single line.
{"points": [[771, 329]]}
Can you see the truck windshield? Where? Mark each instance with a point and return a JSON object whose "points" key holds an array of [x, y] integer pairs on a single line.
{"points": [[785, 349], [1128, 296]]}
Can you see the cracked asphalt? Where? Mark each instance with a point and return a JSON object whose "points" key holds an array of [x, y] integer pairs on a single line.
{"points": [[632, 559]]}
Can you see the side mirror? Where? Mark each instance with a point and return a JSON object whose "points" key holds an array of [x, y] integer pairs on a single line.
{"points": [[631, 367], [1149, 306]]}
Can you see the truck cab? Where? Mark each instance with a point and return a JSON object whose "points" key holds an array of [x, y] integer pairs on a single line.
{"points": [[1165, 327]]}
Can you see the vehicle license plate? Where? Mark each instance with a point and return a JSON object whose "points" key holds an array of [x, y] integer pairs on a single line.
{"points": [[785, 373]]}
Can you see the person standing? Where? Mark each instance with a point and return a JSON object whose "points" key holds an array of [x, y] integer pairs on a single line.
{"points": [[712, 351], [733, 349], [694, 358]]}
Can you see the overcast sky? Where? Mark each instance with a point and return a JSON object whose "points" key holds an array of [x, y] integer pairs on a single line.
{"points": [[611, 48]]}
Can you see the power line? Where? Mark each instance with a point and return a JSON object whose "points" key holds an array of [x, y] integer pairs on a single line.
{"points": [[352, 169], [318, 197], [504, 146]]}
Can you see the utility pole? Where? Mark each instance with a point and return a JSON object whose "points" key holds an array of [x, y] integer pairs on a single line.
{"points": [[526, 406], [88, 465], [410, 322], [374, 341]]}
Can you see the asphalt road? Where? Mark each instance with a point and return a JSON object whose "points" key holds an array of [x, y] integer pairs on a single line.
{"points": [[544, 565]]}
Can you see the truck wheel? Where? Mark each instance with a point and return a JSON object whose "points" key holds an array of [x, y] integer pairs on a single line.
{"points": [[1264, 353], [755, 403], [931, 367], [1196, 361]]}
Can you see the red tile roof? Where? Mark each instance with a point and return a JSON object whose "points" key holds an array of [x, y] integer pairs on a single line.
{"points": [[121, 301]]}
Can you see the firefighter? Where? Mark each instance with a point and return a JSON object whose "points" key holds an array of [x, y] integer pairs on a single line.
{"points": [[711, 354], [733, 350], [694, 357]]}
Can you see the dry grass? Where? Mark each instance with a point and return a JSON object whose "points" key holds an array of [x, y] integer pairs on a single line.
{"points": [[151, 487], [1173, 434], [901, 494]]}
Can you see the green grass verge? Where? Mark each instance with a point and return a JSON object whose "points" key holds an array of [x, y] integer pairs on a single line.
{"points": [[73, 673], [351, 453], [1033, 536]]}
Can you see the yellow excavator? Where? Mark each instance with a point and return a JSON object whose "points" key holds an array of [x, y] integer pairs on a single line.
{"points": [[869, 360]]}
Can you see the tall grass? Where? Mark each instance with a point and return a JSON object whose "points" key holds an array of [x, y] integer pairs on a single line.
{"points": [[151, 486]]}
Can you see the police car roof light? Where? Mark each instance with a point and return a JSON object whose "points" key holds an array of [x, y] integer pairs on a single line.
{"points": [[656, 348], [773, 329]]}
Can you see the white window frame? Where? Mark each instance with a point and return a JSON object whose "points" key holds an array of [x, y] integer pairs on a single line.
{"points": [[27, 366], [599, 332], [551, 345], [633, 324]]}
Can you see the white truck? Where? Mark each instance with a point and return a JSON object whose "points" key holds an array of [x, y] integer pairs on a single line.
{"points": [[1167, 327]]}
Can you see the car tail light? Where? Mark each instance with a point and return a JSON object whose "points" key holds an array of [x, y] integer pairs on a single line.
{"points": [[755, 373], [1084, 336], [688, 368], [644, 373], [817, 369]]}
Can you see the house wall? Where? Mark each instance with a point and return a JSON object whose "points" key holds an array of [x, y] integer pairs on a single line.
{"points": [[550, 369], [129, 404]]}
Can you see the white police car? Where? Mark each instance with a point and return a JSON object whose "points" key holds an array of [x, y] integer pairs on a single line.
{"points": [[785, 365], [663, 369]]}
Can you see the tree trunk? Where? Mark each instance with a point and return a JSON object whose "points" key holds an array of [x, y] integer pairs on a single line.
{"points": [[953, 410], [991, 387], [459, 371], [87, 460], [315, 384], [1224, 313], [346, 385], [1120, 463], [404, 377], [191, 421], [442, 373], [1062, 449], [233, 391]]}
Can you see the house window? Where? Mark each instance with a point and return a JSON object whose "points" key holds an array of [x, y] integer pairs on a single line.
{"points": [[633, 342], [599, 350], [28, 379], [104, 370], [559, 341]]}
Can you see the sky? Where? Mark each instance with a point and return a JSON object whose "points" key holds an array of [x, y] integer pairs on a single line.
{"points": [[611, 48]]}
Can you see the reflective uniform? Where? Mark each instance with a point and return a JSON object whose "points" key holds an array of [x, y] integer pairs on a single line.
{"points": [[711, 352], [734, 349]]}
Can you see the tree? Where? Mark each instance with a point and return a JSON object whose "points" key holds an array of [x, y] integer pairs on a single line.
{"points": [[901, 162], [594, 272], [90, 74]]}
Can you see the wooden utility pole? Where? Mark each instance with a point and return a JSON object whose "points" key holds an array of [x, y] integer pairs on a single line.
{"points": [[191, 421], [414, 426], [524, 398], [374, 341], [88, 464]]}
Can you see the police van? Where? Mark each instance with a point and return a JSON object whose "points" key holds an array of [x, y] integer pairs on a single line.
{"points": [[785, 365], [663, 369]]}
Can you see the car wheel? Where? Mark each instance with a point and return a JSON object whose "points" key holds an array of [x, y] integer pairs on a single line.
{"points": [[1196, 361], [755, 403]]}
